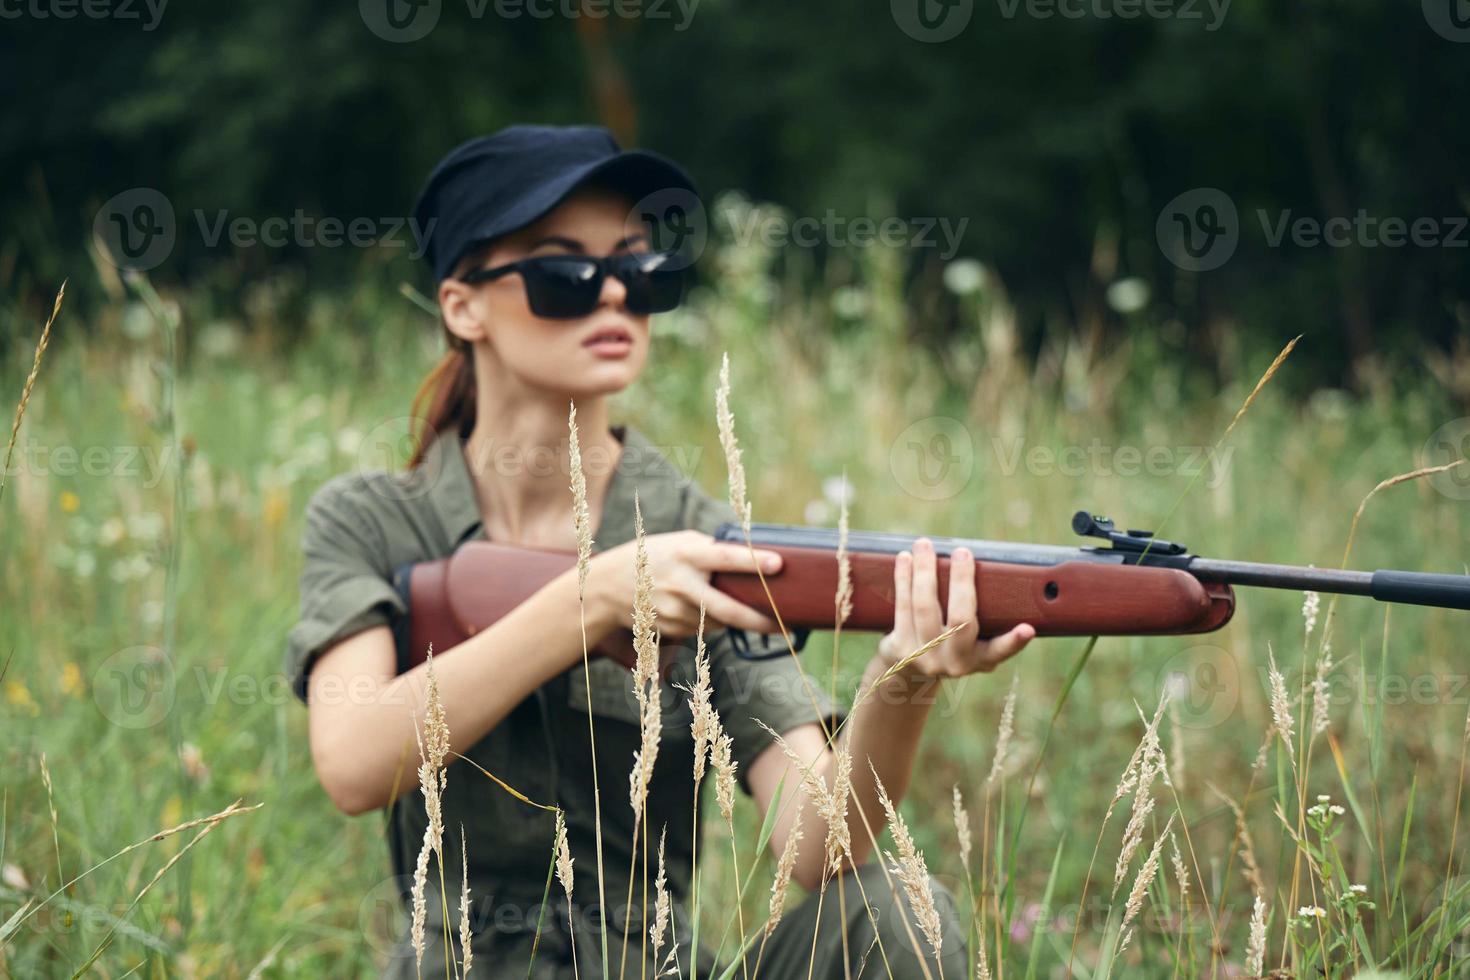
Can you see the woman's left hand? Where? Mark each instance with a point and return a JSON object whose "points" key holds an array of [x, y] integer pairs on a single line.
{"points": [[918, 618]]}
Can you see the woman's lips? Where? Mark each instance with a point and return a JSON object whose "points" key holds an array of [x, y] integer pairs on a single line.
{"points": [[610, 343]]}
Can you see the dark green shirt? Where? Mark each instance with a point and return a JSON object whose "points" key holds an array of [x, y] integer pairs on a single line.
{"points": [[361, 526]]}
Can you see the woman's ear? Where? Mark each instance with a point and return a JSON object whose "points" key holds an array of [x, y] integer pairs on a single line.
{"points": [[461, 314]]}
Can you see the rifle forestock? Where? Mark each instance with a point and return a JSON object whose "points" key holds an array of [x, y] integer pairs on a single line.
{"points": [[1060, 591]]}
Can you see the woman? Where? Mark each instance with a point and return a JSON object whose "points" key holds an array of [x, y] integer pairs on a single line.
{"points": [[546, 283]]}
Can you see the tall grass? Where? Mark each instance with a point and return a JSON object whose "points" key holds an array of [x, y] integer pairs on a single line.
{"points": [[824, 380]]}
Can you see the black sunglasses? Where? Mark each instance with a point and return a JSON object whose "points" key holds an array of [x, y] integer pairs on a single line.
{"points": [[564, 287]]}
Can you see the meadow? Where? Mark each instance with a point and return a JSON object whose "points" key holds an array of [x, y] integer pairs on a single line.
{"points": [[149, 552]]}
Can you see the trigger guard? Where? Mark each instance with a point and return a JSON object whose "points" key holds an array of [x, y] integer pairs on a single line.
{"points": [[740, 642]]}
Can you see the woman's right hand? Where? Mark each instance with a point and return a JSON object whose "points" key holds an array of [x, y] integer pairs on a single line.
{"points": [[680, 563]]}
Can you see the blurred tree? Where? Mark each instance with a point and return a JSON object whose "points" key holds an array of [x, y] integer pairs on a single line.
{"points": [[1058, 139]]}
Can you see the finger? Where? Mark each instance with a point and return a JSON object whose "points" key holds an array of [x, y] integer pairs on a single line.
{"points": [[961, 605], [928, 619], [715, 556], [726, 611], [903, 594], [1007, 645]]}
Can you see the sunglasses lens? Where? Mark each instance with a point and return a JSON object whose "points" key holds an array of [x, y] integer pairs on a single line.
{"points": [[562, 288], [652, 286]]}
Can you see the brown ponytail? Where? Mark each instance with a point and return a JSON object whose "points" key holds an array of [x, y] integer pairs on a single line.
{"points": [[445, 401]]}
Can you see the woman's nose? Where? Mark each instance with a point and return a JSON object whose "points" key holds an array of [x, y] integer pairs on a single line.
{"points": [[614, 293]]}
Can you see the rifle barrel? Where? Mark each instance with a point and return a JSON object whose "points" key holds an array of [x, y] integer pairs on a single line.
{"points": [[1385, 585]]}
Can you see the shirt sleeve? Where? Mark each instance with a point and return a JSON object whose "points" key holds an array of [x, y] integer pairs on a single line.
{"points": [[345, 583], [780, 692]]}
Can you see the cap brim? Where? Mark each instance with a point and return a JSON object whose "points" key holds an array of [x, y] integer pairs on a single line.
{"points": [[636, 173]]}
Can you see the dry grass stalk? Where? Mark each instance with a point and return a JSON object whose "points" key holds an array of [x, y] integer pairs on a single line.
{"points": [[1255, 950], [831, 801], [833, 808], [1392, 481], [843, 599], [1311, 603], [1281, 718], [464, 905], [22, 915], [912, 873], [1145, 766], [1003, 733], [1176, 745], [726, 423], [1141, 882], [982, 957], [1265, 378], [51, 806], [433, 747], [645, 671], [209, 824], [1322, 694], [1181, 874], [563, 856], [1249, 866], [724, 766], [645, 643], [583, 526], [701, 704], [581, 518], [661, 912], [787, 864], [25, 392], [962, 828]]}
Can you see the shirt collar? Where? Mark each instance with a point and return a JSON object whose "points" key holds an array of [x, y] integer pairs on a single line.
{"points": [[451, 488]]}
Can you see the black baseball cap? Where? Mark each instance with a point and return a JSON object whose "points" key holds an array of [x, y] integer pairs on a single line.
{"points": [[496, 184]]}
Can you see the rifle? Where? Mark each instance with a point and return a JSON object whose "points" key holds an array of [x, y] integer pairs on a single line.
{"points": [[1138, 585]]}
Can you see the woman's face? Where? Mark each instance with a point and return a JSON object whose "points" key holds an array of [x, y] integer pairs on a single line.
{"points": [[597, 354]]}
